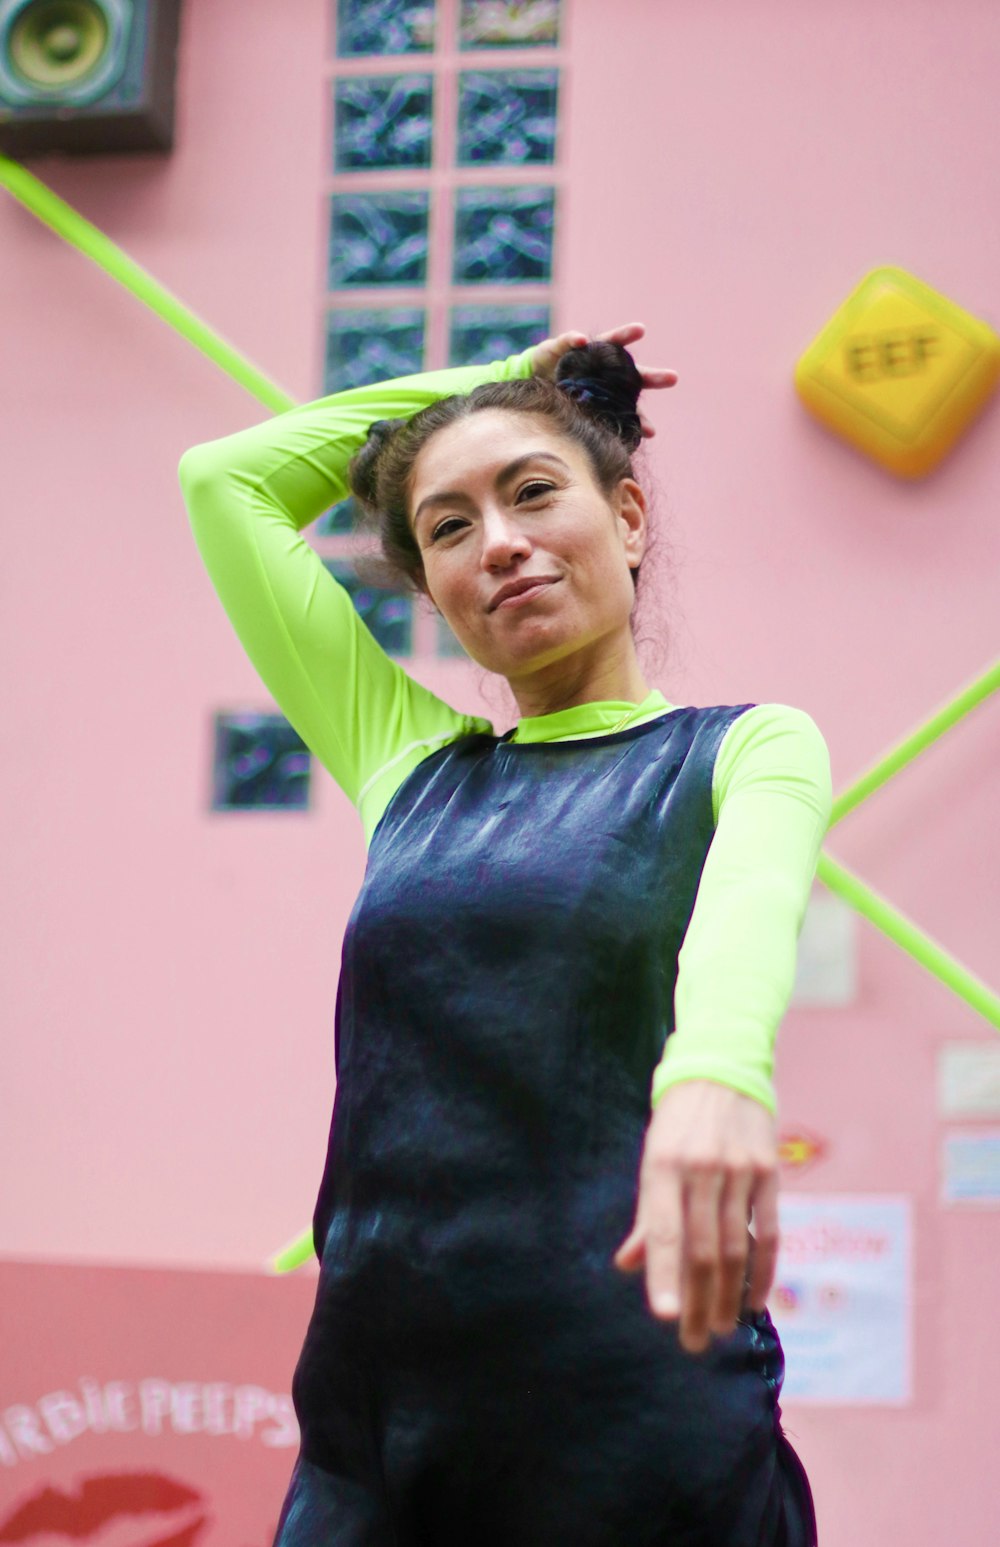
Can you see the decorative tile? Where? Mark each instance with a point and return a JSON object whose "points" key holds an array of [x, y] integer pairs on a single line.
{"points": [[384, 27], [480, 334], [503, 235], [260, 762], [378, 239], [509, 23], [367, 346], [338, 520], [388, 614], [383, 121], [507, 117]]}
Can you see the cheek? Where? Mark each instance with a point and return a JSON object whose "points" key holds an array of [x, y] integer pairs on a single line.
{"points": [[597, 548], [447, 584]]}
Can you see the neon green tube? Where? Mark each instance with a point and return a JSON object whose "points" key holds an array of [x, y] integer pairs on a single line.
{"points": [[295, 1254], [911, 746], [911, 939], [72, 227]]}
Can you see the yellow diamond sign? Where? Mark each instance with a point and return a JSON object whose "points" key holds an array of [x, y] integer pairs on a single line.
{"points": [[900, 371]]}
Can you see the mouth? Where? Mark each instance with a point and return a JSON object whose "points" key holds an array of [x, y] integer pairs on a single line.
{"points": [[520, 591]]}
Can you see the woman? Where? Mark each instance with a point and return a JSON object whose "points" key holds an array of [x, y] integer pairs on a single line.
{"points": [[538, 1320]]}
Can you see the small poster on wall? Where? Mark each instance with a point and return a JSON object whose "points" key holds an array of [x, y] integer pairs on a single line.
{"points": [[842, 1299]]}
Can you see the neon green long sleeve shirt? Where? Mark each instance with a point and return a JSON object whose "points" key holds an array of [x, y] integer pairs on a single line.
{"points": [[250, 495]]}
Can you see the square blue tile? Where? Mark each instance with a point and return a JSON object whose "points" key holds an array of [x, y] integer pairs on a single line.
{"points": [[503, 235], [260, 763], [378, 239], [384, 27], [509, 23], [480, 334], [507, 117], [364, 346], [383, 121], [388, 614]]}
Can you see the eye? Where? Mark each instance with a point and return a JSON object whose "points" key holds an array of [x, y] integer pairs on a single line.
{"points": [[533, 489], [444, 528]]}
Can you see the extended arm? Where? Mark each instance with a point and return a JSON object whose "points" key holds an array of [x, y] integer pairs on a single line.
{"points": [[771, 799], [710, 1155]]}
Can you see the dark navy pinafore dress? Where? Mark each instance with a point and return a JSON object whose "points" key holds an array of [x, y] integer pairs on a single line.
{"points": [[477, 1373]]}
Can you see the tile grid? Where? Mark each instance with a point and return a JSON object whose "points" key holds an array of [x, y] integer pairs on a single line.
{"points": [[441, 180]]}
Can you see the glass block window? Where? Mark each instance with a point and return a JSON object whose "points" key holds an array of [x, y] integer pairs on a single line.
{"points": [[391, 307], [480, 334], [389, 614], [384, 27], [506, 117], [339, 520], [509, 23], [260, 762], [378, 239], [383, 121], [503, 235], [366, 346]]}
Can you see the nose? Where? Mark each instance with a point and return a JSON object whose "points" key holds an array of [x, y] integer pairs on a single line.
{"points": [[504, 540]]}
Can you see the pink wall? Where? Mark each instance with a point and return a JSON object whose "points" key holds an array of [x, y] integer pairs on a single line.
{"points": [[729, 173]]}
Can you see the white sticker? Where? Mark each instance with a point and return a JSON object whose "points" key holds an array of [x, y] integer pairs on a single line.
{"points": [[842, 1298], [970, 1171], [969, 1079], [826, 964]]}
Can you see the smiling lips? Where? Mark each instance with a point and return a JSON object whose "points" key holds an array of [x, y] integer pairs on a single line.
{"points": [[517, 588]]}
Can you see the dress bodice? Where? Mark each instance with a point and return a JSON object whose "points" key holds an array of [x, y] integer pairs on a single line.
{"points": [[509, 965]]}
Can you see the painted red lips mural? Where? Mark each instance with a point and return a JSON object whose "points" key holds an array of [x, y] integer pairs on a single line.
{"points": [[162, 1511], [146, 1408]]}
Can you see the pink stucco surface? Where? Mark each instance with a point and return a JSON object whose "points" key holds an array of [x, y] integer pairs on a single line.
{"points": [[727, 174]]}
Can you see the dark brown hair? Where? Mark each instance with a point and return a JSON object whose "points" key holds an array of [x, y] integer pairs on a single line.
{"points": [[592, 402]]}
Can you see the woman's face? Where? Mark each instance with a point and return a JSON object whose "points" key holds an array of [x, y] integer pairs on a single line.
{"points": [[501, 499]]}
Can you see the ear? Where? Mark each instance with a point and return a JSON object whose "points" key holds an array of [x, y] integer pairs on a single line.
{"points": [[633, 518]]}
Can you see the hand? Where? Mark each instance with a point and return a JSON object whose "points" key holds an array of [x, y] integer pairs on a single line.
{"points": [[548, 354], [709, 1160]]}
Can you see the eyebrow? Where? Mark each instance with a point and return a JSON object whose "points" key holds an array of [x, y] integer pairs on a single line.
{"points": [[506, 475]]}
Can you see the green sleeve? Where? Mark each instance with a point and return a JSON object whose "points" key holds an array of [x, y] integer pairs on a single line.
{"points": [[249, 496], [771, 799]]}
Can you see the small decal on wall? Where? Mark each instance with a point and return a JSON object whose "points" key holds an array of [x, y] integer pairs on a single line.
{"points": [[798, 1149], [970, 1171], [969, 1079]]}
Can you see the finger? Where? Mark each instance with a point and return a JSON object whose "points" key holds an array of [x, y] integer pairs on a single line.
{"points": [[657, 376], [631, 1255], [701, 1258], [571, 340], [664, 1240], [626, 333], [553, 349], [550, 351], [766, 1241], [646, 428], [733, 1246]]}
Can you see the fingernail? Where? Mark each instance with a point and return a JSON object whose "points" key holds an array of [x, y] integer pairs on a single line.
{"points": [[666, 1304]]}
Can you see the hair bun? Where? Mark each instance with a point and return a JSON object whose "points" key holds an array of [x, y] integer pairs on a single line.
{"points": [[364, 464], [604, 380]]}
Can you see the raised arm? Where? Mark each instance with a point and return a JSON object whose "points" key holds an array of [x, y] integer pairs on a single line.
{"points": [[249, 496]]}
